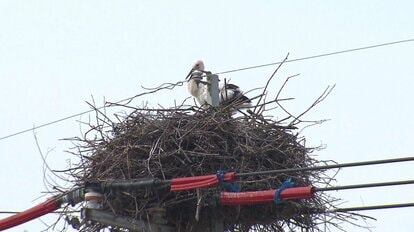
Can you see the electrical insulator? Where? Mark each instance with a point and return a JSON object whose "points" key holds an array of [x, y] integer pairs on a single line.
{"points": [[93, 200]]}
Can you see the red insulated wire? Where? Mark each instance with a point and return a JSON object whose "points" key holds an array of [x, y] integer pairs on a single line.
{"points": [[294, 193], [194, 185], [193, 182], [257, 197], [48, 206], [187, 183]]}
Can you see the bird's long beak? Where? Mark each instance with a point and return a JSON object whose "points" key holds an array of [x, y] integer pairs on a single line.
{"points": [[189, 74]]}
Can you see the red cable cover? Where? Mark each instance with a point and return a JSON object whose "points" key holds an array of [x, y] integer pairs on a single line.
{"points": [[193, 182], [255, 197], [48, 206]]}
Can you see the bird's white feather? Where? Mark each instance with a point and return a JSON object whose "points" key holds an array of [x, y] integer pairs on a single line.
{"points": [[199, 89]]}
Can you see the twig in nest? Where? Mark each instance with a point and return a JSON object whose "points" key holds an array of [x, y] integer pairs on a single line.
{"points": [[198, 209], [322, 97], [268, 82]]}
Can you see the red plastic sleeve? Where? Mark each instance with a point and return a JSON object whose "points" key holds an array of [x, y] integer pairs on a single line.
{"points": [[194, 182], [48, 206], [257, 197]]}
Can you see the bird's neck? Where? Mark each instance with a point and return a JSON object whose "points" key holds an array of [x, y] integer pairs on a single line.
{"points": [[194, 87]]}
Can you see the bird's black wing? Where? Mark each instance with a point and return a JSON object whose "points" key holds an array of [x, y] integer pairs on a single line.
{"points": [[231, 87]]}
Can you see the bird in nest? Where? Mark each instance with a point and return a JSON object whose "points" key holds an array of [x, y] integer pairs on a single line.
{"points": [[229, 94]]}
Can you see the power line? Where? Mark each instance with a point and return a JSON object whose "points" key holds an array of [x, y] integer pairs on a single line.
{"points": [[318, 56], [368, 185], [44, 125], [362, 208], [205, 181], [223, 72], [372, 207], [324, 167], [167, 86]]}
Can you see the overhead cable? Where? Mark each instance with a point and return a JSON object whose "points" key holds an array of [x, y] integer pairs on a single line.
{"points": [[223, 72], [324, 167]]}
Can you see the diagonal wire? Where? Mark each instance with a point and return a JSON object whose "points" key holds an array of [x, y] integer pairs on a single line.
{"points": [[319, 56], [223, 72], [166, 86]]}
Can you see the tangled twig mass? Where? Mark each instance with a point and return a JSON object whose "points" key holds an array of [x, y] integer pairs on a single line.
{"points": [[189, 141]]}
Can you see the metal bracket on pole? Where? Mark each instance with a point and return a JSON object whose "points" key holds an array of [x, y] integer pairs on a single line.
{"points": [[110, 219], [213, 89]]}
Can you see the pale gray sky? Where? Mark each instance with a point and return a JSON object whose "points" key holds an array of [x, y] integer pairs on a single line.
{"points": [[55, 54]]}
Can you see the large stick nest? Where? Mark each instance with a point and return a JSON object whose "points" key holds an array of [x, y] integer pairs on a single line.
{"points": [[190, 141]]}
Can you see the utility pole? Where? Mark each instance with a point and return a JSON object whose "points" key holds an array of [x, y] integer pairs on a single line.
{"points": [[210, 220]]}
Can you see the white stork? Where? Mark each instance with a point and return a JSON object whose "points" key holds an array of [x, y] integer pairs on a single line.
{"points": [[229, 93]]}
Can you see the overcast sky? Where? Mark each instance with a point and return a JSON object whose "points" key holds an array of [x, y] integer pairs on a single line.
{"points": [[55, 55]]}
